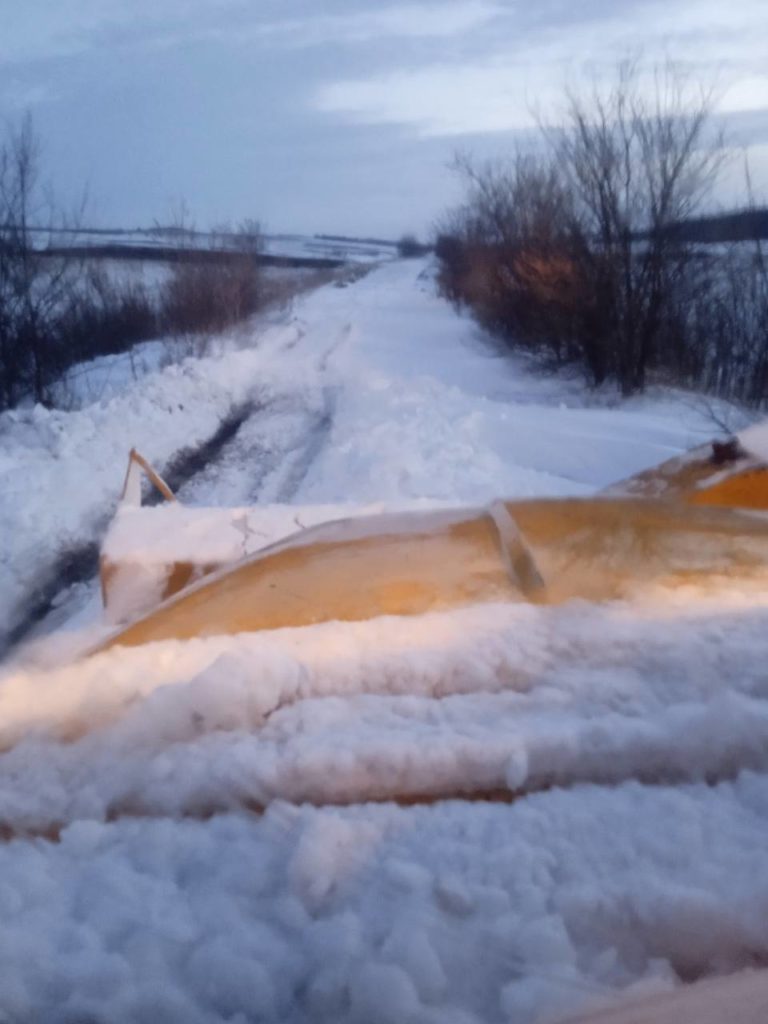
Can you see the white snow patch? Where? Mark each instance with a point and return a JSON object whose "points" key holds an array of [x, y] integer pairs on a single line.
{"points": [[755, 440], [473, 701], [567, 898]]}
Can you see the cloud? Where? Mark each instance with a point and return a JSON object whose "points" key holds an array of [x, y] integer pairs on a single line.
{"points": [[41, 30], [747, 93], [18, 95], [526, 71], [438, 100], [415, 21], [319, 111]]}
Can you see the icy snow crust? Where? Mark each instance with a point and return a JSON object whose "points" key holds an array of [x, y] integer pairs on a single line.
{"points": [[469, 912], [166, 857], [378, 914], [527, 697]]}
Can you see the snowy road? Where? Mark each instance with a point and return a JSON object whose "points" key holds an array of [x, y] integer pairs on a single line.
{"points": [[174, 852], [371, 392], [275, 446]]}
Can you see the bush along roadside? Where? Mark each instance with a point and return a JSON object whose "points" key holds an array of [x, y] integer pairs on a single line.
{"points": [[579, 254]]}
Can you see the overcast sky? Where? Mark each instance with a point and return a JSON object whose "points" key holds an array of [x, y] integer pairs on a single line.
{"points": [[333, 115]]}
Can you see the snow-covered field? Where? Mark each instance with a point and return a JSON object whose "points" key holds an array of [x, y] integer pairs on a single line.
{"points": [[200, 831], [308, 247]]}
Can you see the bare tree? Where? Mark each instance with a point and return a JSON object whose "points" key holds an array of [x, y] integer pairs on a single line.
{"points": [[575, 252], [33, 288], [508, 252], [637, 164], [56, 308]]}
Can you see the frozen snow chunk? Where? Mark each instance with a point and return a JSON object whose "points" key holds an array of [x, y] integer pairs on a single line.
{"points": [[330, 853], [546, 940], [543, 997], [453, 896], [408, 876], [153, 1002], [383, 994], [83, 838], [411, 949], [228, 981], [327, 996], [516, 770], [337, 939]]}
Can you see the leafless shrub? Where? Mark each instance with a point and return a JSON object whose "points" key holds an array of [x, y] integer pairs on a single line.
{"points": [[281, 288], [33, 289], [636, 166], [55, 310], [206, 294], [203, 297], [104, 316], [726, 325], [574, 253], [510, 254]]}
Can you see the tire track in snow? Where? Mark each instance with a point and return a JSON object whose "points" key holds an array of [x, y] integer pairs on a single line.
{"points": [[245, 461], [318, 436], [72, 577], [304, 458], [79, 565], [273, 449]]}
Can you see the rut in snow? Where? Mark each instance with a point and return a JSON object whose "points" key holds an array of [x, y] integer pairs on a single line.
{"points": [[261, 451], [80, 564]]}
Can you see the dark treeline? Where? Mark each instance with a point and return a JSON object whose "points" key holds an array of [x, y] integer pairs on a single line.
{"points": [[590, 253], [181, 254], [738, 226], [387, 242]]}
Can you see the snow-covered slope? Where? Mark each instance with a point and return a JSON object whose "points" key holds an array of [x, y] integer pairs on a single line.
{"points": [[164, 858]]}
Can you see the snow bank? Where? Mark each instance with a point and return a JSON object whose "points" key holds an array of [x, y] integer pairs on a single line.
{"points": [[527, 697], [61, 472], [455, 913]]}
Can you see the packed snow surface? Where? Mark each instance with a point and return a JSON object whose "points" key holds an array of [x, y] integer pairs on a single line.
{"points": [[207, 831]]}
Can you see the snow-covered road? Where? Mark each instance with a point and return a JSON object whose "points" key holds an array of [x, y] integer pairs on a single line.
{"points": [[164, 858], [375, 391]]}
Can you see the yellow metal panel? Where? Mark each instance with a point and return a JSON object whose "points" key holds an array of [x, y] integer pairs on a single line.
{"points": [[591, 548]]}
